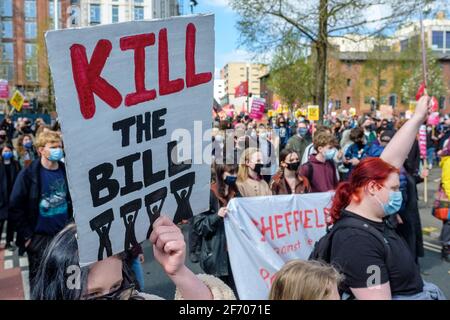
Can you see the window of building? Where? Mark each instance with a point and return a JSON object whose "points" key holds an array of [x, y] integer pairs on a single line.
{"points": [[7, 29], [30, 9], [30, 51], [31, 72], [367, 100], [368, 83], [51, 14], [349, 82], [447, 39], [7, 71], [349, 100], [115, 14], [404, 45], [95, 13], [30, 30], [438, 39], [383, 82], [138, 13], [7, 51], [6, 9]]}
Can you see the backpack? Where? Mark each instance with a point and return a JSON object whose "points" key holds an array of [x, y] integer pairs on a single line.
{"points": [[322, 248]]}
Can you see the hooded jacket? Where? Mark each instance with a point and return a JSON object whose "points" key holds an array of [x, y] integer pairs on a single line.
{"points": [[321, 175]]}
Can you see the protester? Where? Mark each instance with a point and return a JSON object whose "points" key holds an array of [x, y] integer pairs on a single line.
{"points": [[320, 169], [249, 179], [9, 169], [108, 279], [209, 225], [371, 194], [3, 136], [25, 150], [282, 131], [288, 180], [301, 140], [356, 151], [445, 184], [305, 280], [8, 127], [40, 203]]}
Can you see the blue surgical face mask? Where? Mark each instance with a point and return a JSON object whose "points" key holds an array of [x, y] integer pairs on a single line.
{"points": [[329, 154], [230, 180], [56, 154], [7, 155], [302, 132], [394, 204], [28, 145]]}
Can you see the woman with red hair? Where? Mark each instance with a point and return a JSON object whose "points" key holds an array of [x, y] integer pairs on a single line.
{"points": [[375, 260]]}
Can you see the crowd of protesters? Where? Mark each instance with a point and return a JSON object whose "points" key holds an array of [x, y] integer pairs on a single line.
{"points": [[375, 185]]}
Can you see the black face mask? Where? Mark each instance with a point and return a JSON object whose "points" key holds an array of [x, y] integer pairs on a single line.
{"points": [[293, 166], [258, 168]]}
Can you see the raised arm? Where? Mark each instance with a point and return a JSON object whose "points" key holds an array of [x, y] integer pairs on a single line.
{"points": [[398, 148]]}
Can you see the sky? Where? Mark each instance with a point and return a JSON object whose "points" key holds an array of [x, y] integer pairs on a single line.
{"points": [[227, 35], [226, 49]]}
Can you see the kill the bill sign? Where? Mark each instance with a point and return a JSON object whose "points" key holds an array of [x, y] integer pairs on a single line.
{"points": [[125, 93]]}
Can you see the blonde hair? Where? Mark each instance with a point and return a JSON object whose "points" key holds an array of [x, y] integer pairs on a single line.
{"points": [[243, 169], [304, 280], [47, 137]]}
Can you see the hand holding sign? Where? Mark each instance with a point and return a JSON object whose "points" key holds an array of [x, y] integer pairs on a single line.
{"points": [[169, 247]]}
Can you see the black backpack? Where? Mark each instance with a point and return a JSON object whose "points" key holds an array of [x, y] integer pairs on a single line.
{"points": [[322, 248]]}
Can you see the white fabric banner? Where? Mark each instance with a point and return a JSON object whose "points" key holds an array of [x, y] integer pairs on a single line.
{"points": [[265, 232]]}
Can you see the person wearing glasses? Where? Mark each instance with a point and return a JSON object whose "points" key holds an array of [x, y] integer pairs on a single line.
{"points": [[60, 277]]}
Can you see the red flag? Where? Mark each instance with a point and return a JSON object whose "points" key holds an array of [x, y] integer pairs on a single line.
{"points": [[241, 90], [421, 91]]}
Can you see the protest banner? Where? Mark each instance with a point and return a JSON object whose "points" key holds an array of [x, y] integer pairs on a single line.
{"points": [[265, 232], [129, 96], [313, 113], [4, 89], [17, 100], [258, 107]]}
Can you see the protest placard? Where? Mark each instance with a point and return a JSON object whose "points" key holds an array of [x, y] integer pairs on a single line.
{"points": [[17, 100], [4, 89], [313, 113], [258, 107], [387, 112], [125, 94], [265, 232]]}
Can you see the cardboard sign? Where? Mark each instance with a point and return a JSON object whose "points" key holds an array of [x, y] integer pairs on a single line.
{"points": [[17, 100], [258, 107], [313, 113], [4, 89], [134, 100], [352, 111], [387, 112], [265, 232]]}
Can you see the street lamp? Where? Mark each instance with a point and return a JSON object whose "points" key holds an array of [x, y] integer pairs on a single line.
{"points": [[193, 3]]}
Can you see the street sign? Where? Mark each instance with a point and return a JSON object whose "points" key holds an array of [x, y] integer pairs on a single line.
{"points": [[17, 100], [313, 113]]}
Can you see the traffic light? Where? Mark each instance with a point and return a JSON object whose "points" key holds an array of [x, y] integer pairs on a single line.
{"points": [[373, 104], [393, 100]]}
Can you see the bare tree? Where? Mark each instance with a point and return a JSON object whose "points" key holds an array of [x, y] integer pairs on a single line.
{"points": [[263, 25]]}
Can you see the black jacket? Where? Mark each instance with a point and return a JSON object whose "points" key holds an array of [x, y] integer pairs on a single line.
{"points": [[4, 195], [24, 201], [209, 225]]}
